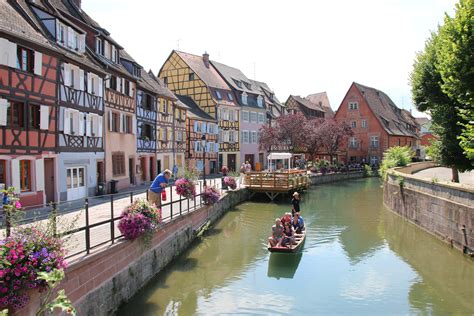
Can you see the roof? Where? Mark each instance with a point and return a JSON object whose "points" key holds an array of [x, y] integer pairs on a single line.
{"points": [[422, 120], [393, 119], [322, 100], [209, 75], [268, 93], [307, 103], [233, 76], [158, 86], [194, 111]]}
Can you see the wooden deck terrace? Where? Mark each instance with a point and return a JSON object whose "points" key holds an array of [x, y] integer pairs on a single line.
{"points": [[275, 183]]}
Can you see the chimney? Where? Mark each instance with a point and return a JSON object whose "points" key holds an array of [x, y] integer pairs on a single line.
{"points": [[77, 3], [205, 59]]}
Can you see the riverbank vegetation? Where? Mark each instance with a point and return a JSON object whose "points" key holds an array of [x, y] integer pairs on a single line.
{"points": [[396, 156]]}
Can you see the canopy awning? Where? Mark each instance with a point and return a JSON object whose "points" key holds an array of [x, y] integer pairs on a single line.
{"points": [[274, 156]]}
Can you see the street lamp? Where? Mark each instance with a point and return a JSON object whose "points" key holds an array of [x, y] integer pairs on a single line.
{"points": [[203, 143]]}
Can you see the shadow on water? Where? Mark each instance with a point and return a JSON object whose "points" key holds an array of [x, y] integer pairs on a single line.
{"points": [[283, 265]]}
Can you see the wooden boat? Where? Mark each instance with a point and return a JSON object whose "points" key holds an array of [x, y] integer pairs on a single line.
{"points": [[299, 241]]}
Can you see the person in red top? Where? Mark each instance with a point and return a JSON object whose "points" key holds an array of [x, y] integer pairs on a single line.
{"points": [[286, 218]]}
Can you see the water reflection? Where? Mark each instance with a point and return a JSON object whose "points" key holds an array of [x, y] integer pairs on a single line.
{"points": [[283, 265]]}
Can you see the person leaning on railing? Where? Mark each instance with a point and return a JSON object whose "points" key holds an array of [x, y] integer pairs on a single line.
{"points": [[157, 186]]}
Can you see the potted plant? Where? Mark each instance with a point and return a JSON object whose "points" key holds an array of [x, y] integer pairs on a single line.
{"points": [[139, 218], [210, 195]]}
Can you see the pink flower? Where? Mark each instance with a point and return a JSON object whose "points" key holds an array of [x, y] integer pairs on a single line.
{"points": [[17, 204]]}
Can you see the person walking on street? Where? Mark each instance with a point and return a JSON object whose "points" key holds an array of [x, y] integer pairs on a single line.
{"points": [[157, 186]]}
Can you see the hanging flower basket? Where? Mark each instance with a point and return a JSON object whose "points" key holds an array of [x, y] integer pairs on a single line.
{"points": [[230, 182], [139, 218], [210, 195], [185, 188]]}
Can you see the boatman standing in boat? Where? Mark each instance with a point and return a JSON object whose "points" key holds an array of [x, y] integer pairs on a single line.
{"points": [[295, 202], [157, 186]]}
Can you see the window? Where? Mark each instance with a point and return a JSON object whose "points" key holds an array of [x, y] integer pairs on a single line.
{"points": [[245, 116], [364, 123], [25, 59], [61, 34], [35, 116], [165, 81], [260, 101], [232, 138], [238, 83], [353, 105], [115, 122], [374, 141], [25, 175], [191, 76], [118, 164], [231, 115], [147, 132], [218, 95], [374, 160], [247, 85], [245, 137], [244, 98], [254, 137], [353, 124], [253, 117], [127, 87], [99, 46], [127, 124], [147, 101], [229, 96], [353, 142], [261, 118], [115, 55], [3, 171], [113, 82], [16, 114]]}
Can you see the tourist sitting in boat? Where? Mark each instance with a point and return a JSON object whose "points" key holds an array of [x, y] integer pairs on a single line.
{"points": [[277, 234], [289, 235], [298, 223], [286, 218]]}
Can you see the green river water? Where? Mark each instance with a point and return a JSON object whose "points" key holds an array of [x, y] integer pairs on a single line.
{"points": [[358, 259]]}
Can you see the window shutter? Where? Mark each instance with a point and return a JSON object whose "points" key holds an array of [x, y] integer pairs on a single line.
{"points": [[39, 172], [15, 169], [67, 121], [70, 36], [81, 80], [66, 74], [204, 127], [196, 146], [8, 56], [3, 112], [130, 89], [134, 125], [89, 82], [44, 117], [88, 125], [107, 83], [121, 123], [100, 87], [160, 132], [38, 64], [110, 121], [81, 123], [196, 127], [99, 126], [82, 43], [216, 147], [122, 87]]}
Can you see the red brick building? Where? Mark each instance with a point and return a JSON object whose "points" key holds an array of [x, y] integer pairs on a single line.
{"points": [[377, 124]]}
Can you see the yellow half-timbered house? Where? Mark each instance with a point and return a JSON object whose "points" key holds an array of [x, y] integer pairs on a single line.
{"points": [[194, 76]]}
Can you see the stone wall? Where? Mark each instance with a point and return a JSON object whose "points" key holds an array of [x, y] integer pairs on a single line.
{"points": [[333, 177], [444, 210], [100, 283]]}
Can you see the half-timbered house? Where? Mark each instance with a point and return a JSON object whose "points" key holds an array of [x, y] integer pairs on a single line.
{"points": [[80, 100], [297, 104], [195, 76], [198, 123], [28, 75]]}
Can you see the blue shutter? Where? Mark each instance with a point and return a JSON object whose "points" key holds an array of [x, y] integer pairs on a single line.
{"points": [[203, 128], [216, 147], [196, 127]]}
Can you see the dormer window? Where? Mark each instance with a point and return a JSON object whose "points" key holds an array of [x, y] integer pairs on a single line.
{"points": [[230, 97], [244, 98], [238, 83], [61, 34], [247, 85], [99, 46], [68, 37], [218, 95], [191, 76], [260, 101], [115, 55]]}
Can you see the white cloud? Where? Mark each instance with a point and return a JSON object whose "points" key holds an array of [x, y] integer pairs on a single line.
{"points": [[297, 47]]}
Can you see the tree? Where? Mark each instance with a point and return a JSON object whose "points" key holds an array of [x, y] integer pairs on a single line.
{"points": [[333, 135], [312, 139], [288, 131], [428, 95]]}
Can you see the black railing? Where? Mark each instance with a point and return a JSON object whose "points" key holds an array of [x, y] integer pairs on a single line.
{"points": [[99, 217]]}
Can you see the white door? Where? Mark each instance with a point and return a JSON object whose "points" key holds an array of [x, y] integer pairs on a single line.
{"points": [[76, 183]]}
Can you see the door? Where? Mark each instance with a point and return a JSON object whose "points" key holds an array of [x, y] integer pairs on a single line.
{"points": [[143, 167], [231, 161], [49, 180], [250, 158], [212, 167], [76, 183], [131, 171], [152, 169], [221, 162], [167, 162], [261, 161], [158, 167]]}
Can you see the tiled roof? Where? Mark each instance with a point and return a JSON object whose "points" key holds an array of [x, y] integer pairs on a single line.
{"points": [[422, 120], [306, 103], [322, 100], [157, 85], [233, 75], [393, 119], [207, 74], [194, 111]]}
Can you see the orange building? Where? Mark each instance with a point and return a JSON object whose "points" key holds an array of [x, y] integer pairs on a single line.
{"points": [[377, 124]]}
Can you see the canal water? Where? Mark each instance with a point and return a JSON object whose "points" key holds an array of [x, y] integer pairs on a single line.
{"points": [[358, 259]]}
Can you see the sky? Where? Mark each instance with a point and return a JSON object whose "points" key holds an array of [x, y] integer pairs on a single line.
{"points": [[297, 47]]}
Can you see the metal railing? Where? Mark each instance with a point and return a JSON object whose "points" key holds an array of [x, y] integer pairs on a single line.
{"points": [[97, 219]]}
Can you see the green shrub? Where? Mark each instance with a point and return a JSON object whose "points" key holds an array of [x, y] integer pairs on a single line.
{"points": [[396, 156]]}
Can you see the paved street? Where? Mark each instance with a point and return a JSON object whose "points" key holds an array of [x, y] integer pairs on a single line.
{"points": [[444, 174]]}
